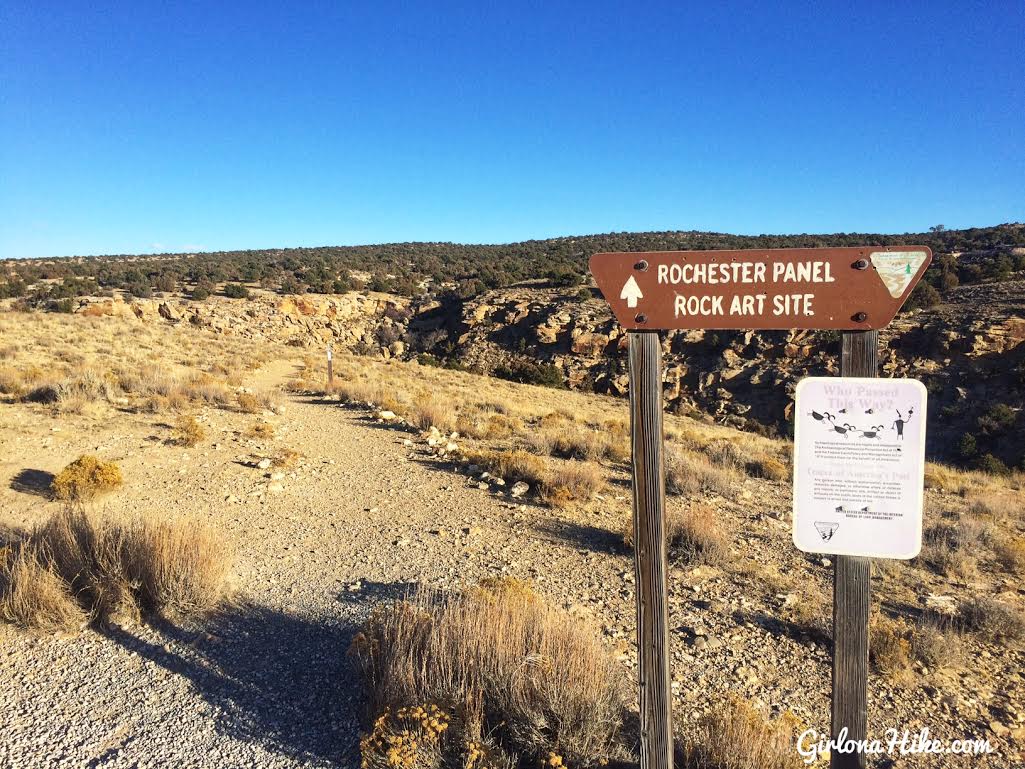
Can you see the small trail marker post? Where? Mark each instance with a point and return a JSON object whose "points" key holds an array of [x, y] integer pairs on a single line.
{"points": [[854, 290], [330, 368]]}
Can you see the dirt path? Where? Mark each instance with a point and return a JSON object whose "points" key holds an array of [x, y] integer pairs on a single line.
{"points": [[365, 515], [360, 519]]}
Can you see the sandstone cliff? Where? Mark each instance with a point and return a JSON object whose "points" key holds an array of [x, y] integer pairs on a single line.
{"points": [[968, 350], [363, 322]]}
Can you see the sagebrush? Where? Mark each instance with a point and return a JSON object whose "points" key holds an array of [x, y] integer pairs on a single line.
{"points": [[85, 478], [518, 681], [80, 566]]}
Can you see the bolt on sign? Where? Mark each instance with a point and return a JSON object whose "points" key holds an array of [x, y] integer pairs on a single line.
{"points": [[856, 289], [859, 466]]}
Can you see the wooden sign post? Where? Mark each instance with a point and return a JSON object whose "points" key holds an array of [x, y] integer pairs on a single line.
{"points": [[650, 564], [856, 290], [330, 368], [859, 354]]}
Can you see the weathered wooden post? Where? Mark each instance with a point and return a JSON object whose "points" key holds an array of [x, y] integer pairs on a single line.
{"points": [[852, 596], [330, 368], [650, 563]]}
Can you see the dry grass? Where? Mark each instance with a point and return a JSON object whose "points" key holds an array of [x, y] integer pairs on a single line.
{"points": [[86, 478], [937, 644], [188, 431], [734, 453], [691, 473], [177, 570], [992, 620], [764, 576], [953, 547], [995, 505], [693, 536], [481, 424], [79, 365], [769, 468], [943, 478], [152, 381], [249, 403], [725, 453], [364, 391], [734, 735], [889, 648], [261, 430], [807, 607], [515, 681], [570, 483], [206, 390], [285, 459], [111, 567], [516, 465], [558, 484], [965, 482], [431, 412], [686, 436], [72, 393], [1010, 552], [11, 382], [32, 596], [161, 390], [575, 441]]}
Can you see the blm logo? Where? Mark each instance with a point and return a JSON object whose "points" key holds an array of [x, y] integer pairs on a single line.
{"points": [[826, 529]]}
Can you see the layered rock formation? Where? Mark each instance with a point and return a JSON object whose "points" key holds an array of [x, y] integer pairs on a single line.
{"points": [[969, 350], [365, 322]]}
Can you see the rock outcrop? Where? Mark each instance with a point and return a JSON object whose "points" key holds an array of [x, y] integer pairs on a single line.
{"points": [[969, 351], [364, 322]]}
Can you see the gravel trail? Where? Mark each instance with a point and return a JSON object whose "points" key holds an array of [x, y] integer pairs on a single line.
{"points": [[268, 684], [364, 516]]}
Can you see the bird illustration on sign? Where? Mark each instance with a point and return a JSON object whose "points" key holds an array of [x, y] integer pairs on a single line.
{"points": [[874, 432]]}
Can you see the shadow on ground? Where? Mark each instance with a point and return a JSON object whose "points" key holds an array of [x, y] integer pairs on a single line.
{"points": [[10, 536], [779, 626], [370, 593], [273, 678], [583, 536], [35, 482]]}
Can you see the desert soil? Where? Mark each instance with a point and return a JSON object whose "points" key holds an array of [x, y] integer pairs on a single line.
{"points": [[366, 515]]}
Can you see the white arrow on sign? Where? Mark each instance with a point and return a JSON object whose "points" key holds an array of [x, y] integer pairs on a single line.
{"points": [[631, 292]]}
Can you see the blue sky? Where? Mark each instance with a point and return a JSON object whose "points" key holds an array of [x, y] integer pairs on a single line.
{"points": [[141, 127]]}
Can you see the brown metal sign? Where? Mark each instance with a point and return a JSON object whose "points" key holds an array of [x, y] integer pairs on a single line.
{"points": [[854, 289]]}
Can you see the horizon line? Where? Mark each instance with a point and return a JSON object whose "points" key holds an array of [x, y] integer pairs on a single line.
{"points": [[185, 253]]}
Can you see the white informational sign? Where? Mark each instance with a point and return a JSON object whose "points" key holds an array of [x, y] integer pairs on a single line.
{"points": [[859, 466]]}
